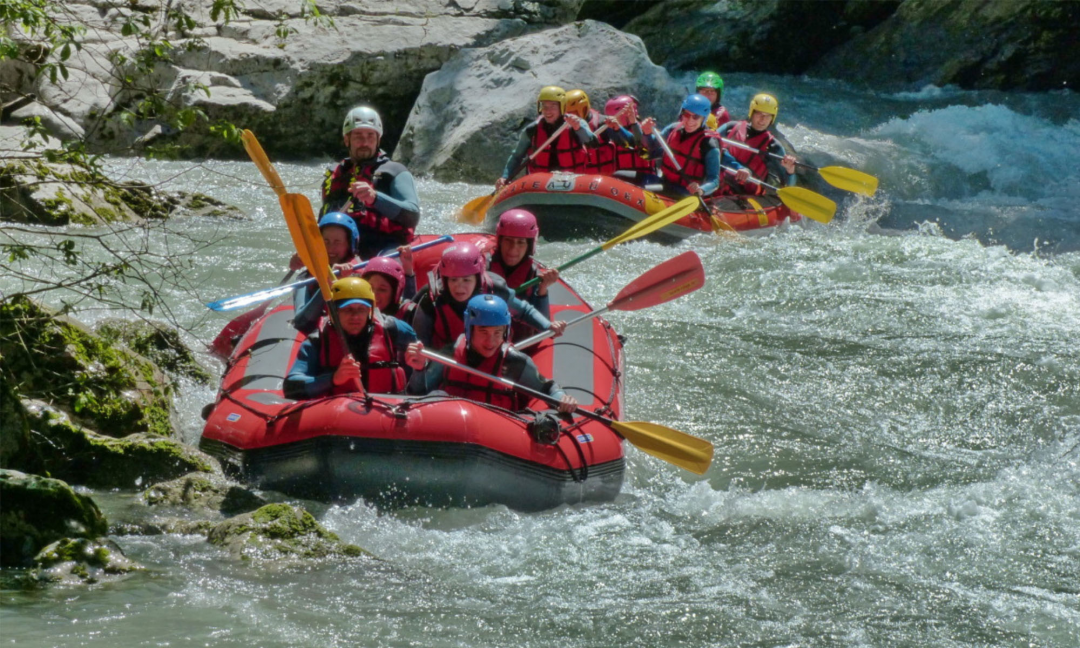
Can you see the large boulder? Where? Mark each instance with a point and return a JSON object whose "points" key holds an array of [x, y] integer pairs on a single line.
{"points": [[159, 342], [81, 456], [269, 69], [774, 36], [998, 44], [279, 531], [54, 358], [38, 511], [469, 114], [81, 560]]}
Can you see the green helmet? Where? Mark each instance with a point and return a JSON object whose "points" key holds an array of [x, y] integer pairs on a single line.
{"points": [[710, 80]]}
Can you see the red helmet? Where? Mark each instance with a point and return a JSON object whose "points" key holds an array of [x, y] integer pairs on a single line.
{"points": [[517, 223], [615, 104], [391, 269], [462, 260]]}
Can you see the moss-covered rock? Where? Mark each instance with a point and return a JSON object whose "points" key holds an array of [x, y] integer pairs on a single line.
{"points": [[81, 456], [279, 531], [158, 342], [35, 191], [82, 560], [16, 449], [37, 511], [107, 387], [200, 491]]}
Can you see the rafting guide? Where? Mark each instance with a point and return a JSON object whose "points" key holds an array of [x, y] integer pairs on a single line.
{"points": [[378, 193]]}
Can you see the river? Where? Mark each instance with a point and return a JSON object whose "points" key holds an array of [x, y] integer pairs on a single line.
{"points": [[894, 399]]}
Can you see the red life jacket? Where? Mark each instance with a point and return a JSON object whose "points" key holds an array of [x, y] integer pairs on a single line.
{"points": [[380, 373], [381, 175], [634, 159], [756, 162], [602, 158], [722, 115], [524, 271], [465, 385], [690, 151], [564, 153]]}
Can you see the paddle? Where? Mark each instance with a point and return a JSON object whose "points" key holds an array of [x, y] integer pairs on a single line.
{"points": [[675, 447], [670, 280], [310, 247], [475, 211], [263, 294], [839, 177], [239, 325], [806, 202], [646, 226]]}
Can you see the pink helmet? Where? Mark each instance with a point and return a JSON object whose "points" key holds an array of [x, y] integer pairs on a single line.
{"points": [[517, 223], [391, 269], [462, 260], [615, 104]]}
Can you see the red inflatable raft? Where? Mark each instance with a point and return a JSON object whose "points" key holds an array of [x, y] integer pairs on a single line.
{"points": [[435, 450], [572, 205]]}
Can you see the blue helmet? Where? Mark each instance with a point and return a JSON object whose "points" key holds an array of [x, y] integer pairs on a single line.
{"points": [[697, 104], [346, 221], [485, 310]]}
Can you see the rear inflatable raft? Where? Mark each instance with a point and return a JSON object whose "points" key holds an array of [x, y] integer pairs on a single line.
{"points": [[395, 450], [570, 205]]}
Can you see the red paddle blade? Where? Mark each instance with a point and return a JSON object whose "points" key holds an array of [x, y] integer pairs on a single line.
{"points": [[670, 280]]}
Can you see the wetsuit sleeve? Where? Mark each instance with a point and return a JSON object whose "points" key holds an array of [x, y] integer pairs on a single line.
{"points": [[531, 377], [584, 134], [518, 155], [401, 205], [523, 310], [724, 129], [308, 305], [428, 380], [542, 303], [307, 378], [711, 181], [423, 325], [778, 149], [410, 288]]}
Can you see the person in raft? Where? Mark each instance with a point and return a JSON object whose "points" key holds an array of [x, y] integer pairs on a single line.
{"points": [[439, 316], [563, 153], [483, 346], [697, 150], [341, 239], [378, 193], [622, 150], [393, 281], [376, 347], [755, 133], [711, 86], [513, 260], [577, 103]]}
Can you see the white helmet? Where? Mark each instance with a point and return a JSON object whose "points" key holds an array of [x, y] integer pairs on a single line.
{"points": [[362, 117]]}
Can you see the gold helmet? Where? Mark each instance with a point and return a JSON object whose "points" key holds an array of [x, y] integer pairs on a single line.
{"points": [[352, 290], [577, 103], [765, 103], [552, 93]]}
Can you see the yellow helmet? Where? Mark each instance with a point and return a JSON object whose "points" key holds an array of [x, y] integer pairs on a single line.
{"points": [[552, 93], [352, 290], [765, 103], [577, 103]]}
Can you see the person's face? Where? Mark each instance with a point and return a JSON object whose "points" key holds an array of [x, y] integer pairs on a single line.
{"points": [[384, 289], [486, 340], [690, 121], [760, 120], [336, 239], [710, 94], [363, 143], [354, 318], [513, 249], [461, 288], [550, 111]]}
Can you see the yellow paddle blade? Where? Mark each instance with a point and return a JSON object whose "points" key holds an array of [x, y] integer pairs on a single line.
{"points": [[308, 240], [809, 204], [850, 180], [258, 156], [660, 219], [675, 447], [475, 211]]}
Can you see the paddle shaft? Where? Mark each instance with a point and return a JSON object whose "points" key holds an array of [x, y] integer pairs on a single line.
{"points": [[232, 303], [449, 362], [543, 335], [667, 150], [747, 147], [569, 264]]}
